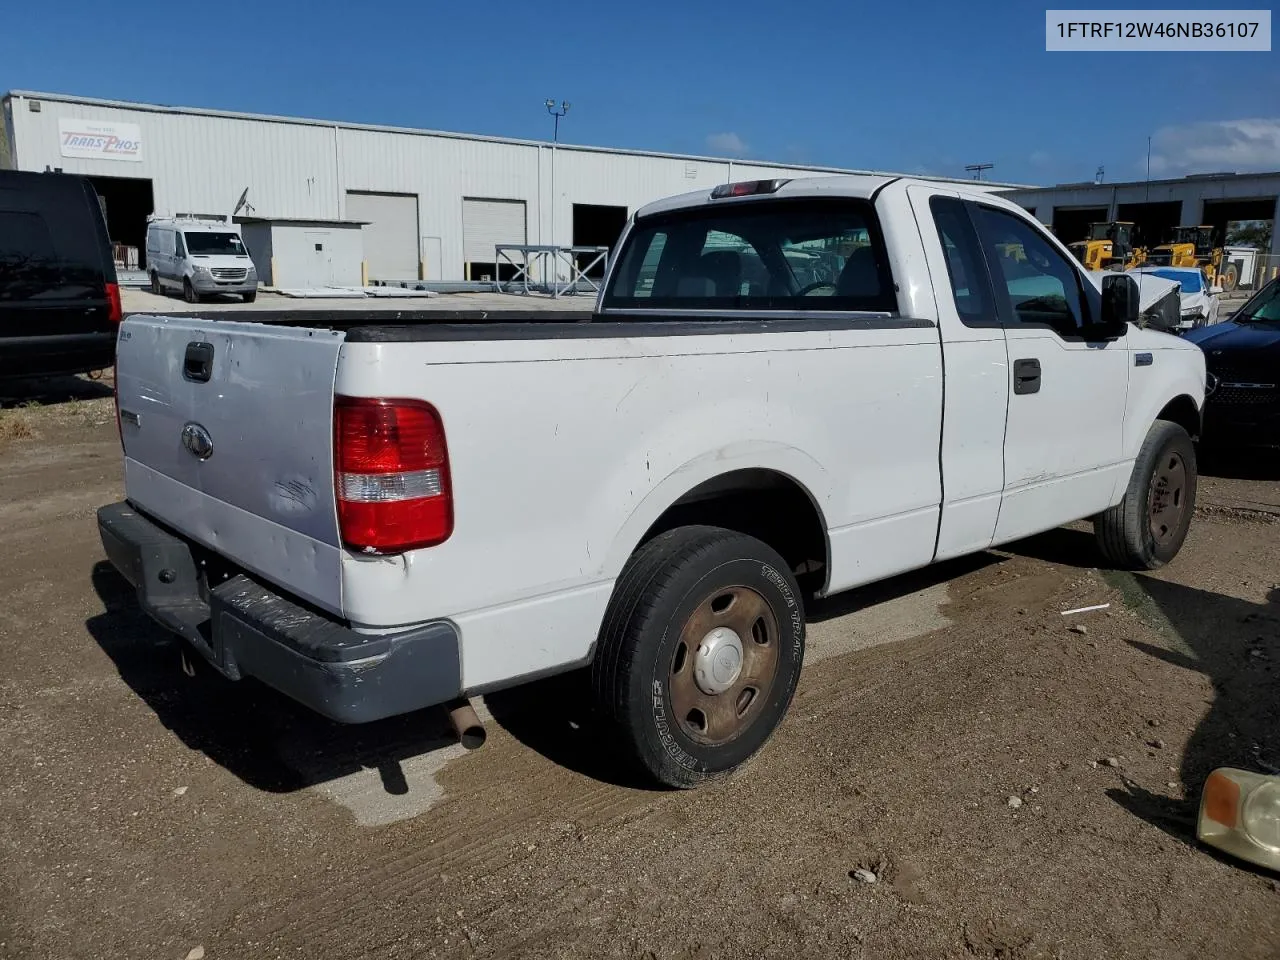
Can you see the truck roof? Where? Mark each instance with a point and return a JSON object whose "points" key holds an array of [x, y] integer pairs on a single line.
{"points": [[857, 186]]}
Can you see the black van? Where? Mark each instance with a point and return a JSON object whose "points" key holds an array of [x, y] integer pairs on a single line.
{"points": [[59, 300]]}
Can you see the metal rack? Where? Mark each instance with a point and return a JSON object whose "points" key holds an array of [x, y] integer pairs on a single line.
{"points": [[539, 266]]}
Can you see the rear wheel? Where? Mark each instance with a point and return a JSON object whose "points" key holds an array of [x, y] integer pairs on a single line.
{"points": [[155, 283], [189, 292], [700, 652], [1146, 529]]}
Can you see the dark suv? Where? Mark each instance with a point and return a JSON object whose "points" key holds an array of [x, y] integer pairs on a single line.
{"points": [[59, 301], [1242, 362]]}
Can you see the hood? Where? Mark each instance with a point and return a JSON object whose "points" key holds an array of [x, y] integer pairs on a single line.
{"points": [[1148, 338], [1231, 338]]}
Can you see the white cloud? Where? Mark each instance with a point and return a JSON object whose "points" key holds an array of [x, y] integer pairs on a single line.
{"points": [[727, 144], [1216, 146], [1040, 158]]}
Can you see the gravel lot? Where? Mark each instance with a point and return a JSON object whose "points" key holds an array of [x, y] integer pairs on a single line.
{"points": [[1020, 784]]}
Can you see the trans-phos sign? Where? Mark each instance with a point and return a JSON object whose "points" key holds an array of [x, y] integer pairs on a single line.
{"points": [[96, 140]]}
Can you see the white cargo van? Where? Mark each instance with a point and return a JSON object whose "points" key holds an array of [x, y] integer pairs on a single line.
{"points": [[198, 258]]}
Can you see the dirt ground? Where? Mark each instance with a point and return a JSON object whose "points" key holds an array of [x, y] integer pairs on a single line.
{"points": [[144, 814]]}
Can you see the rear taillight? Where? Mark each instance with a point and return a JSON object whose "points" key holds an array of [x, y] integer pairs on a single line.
{"points": [[391, 474], [115, 313]]}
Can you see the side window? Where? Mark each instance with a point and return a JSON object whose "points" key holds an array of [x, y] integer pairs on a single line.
{"points": [[969, 284], [1035, 282], [29, 264], [179, 248]]}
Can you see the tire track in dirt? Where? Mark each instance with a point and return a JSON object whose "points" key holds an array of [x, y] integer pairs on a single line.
{"points": [[532, 791]]}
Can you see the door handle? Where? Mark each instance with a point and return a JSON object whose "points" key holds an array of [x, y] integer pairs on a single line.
{"points": [[1026, 376], [197, 363]]}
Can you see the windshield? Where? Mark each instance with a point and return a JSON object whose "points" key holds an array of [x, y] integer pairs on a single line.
{"points": [[1264, 308], [774, 255], [215, 244], [1190, 279]]}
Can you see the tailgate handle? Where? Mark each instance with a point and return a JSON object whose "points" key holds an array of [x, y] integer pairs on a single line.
{"points": [[197, 364]]}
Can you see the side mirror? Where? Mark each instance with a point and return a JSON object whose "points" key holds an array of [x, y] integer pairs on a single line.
{"points": [[1119, 304], [1215, 290]]}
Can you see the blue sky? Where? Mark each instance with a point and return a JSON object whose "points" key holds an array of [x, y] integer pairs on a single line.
{"points": [[916, 87]]}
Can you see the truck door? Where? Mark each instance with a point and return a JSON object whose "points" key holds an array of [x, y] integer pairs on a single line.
{"points": [[1064, 435], [976, 369]]}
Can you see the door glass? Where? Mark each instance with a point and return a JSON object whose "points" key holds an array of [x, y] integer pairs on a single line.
{"points": [[179, 249], [960, 247], [1037, 284]]}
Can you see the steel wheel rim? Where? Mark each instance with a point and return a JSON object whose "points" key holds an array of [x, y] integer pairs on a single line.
{"points": [[715, 718], [1167, 498]]}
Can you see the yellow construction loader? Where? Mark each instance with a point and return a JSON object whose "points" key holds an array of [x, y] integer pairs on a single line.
{"points": [[1194, 247], [1109, 246], [1190, 247]]}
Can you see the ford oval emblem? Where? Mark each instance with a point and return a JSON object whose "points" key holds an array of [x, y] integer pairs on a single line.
{"points": [[197, 441]]}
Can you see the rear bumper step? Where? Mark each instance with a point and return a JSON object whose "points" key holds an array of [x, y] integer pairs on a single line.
{"points": [[246, 629]]}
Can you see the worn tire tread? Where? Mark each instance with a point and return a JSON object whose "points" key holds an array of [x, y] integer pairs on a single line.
{"points": [[641, 590], [1119, 530]]}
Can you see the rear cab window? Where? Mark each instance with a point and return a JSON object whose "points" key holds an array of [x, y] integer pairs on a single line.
{"points": [[797, 255]]}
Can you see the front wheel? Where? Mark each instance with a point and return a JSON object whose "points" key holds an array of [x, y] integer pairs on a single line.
{"points": [[189, 292], [700, 652], [250, 296], [1146, 529]]}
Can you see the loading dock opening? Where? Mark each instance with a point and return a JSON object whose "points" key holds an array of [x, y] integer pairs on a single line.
{"points": [[1153, 223], [596, 225], [485, 224], [127, 201], [390, 235], [1072, 223], [1222, 214]]}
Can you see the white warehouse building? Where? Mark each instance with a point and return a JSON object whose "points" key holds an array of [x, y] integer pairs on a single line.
{"points": [[428, 205]]}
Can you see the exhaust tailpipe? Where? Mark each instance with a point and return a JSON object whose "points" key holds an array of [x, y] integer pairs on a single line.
{"points": [[466, 725]]}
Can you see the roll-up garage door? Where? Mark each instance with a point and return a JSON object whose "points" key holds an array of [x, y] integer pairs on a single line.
{"points": [[390, 234], [489, 222]]}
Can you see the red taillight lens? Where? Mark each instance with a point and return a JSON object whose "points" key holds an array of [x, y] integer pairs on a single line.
{"points": [[391, 474], [115, 313]]}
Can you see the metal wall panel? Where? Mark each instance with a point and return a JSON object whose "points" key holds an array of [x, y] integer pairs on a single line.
{"points": [[390, 233], [489, 222], [200, 162]]}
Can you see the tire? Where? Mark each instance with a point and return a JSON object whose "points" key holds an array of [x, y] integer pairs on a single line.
{"points": [[1146, 529], [155, 283], [251, 296], [657, 658], [189, 292]]}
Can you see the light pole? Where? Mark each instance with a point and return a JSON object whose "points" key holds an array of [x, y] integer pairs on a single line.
{"points": [[556, 112]]}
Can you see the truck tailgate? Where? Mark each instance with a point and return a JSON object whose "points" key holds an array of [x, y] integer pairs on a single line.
{"points": [[227, 431]]}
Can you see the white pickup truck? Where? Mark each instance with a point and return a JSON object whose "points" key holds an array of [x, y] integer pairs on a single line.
{"points": [[787, 389]]}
